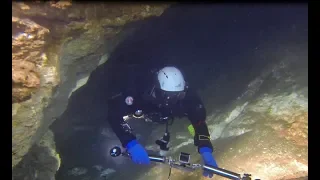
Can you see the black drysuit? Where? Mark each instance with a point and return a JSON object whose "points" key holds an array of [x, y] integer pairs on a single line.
{"points": [[139, 88]]}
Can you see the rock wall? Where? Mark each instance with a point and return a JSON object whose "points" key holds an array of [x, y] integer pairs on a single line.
{"points": [[55, 47], [41, 162]]}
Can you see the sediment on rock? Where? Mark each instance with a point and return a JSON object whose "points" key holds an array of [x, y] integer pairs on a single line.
{"points": [[41, 163], [55, 47]]}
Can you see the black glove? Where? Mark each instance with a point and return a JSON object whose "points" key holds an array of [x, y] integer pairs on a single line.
{"points": [[163, 142]]}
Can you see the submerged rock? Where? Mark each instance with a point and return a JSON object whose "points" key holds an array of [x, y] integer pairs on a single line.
{"points": [[55, 47], [77, 171], [269, 137], [98, 167], [41, 163], [107, 172], [275, 148]]}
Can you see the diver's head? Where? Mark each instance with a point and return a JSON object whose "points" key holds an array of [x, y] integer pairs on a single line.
{"points": [[170, 86]]}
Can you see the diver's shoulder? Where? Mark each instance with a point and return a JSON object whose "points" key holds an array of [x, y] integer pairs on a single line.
{"points": [[192, 94]]}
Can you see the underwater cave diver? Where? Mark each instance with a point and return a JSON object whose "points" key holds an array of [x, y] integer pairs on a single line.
{"points": [[159, 96]]}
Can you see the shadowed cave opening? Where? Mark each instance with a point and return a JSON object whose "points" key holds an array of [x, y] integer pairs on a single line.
{"points": [[207, 42]]}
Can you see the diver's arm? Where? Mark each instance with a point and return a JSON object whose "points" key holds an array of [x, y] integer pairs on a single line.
{"points": [[197, 116], [123, 131]]}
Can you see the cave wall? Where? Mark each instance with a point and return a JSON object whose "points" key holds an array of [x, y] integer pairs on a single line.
{"points": [[224, 66], [65, 54], [55, 46]]}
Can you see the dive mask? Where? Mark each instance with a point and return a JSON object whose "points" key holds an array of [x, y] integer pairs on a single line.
{"points": [[170, 97]]}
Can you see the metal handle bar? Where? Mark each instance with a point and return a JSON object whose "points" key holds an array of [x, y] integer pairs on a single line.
{"points": [[116, 151]]}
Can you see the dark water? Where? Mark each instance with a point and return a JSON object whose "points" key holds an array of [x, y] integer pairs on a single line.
{"points": [[205, 41]]}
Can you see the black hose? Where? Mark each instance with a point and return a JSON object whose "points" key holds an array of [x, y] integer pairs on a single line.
{"points": [[171, 121], [169, 173]]}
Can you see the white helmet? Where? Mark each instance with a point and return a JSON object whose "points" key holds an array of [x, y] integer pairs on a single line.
{"points": [[171, 79]]}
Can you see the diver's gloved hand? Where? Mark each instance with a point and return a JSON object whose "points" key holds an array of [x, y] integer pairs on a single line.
{"points": [[208, 159], [138, 154]]}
